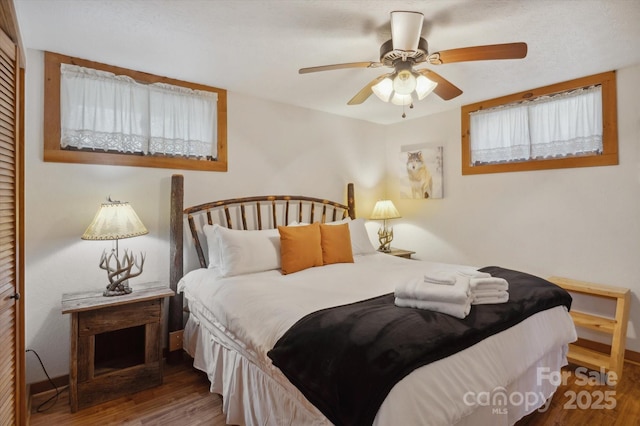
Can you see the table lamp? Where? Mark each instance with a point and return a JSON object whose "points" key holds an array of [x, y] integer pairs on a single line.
{"points": [[385, 210], [116, 220]]}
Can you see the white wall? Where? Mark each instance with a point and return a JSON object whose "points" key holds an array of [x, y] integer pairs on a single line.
{"points": [[272, 149], [579, 223]]}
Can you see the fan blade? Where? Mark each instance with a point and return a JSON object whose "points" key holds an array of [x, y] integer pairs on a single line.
{"points": [[340, 66], [479, 53], [366, 91], [445, 89], [406, 28]]}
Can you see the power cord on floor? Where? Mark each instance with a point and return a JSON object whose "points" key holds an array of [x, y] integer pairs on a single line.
{"points": [[58, 392]]}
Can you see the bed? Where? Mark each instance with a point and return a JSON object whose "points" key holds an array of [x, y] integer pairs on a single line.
{"points": [[245, 315]]}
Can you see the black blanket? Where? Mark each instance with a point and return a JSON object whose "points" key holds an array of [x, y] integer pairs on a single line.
{"points": [[346, 359]]}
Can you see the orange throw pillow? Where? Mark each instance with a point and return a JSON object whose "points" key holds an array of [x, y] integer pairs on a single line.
{"points": [[336, 244], [300, 247]]}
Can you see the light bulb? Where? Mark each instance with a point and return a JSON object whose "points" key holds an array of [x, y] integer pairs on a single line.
{"points": [[404, 83]]}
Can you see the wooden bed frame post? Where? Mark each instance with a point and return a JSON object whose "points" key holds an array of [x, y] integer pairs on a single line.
{"points": [[351, 201], [174, 354]]}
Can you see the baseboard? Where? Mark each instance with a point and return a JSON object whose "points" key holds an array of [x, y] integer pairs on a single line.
{"points": [[28, 413], [629, 355], [45, 385]]}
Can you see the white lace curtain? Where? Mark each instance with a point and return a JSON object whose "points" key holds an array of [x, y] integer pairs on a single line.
{"points": [[101, 110], [548, 127]]}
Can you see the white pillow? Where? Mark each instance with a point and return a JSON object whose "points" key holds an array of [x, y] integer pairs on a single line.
{"points": [[360, 242], [213, 245], [237, 252]]}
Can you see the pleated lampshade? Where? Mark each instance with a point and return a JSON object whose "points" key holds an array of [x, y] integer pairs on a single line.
{"points": [[115, 220]]}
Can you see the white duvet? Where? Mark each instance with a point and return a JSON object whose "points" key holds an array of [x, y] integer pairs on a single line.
{"points": [[253, 311]]}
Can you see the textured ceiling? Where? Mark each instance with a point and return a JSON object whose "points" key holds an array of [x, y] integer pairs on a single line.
{"points": [[257, 46]]}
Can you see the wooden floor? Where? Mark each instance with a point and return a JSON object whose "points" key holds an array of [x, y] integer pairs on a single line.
{"points": [[565, 407], [184, 399]]}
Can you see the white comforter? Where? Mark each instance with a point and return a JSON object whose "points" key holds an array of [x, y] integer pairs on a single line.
{"points": [[258, 308], [253, 311]]}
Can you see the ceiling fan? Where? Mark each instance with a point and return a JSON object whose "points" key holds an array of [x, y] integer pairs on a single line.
{"points": [[404, 51]]}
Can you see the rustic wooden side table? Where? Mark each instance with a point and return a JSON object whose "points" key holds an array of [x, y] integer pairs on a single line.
{"points": [[400, 253], [116, 344]]}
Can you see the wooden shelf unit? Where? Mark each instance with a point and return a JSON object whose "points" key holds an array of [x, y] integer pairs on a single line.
{"points": [[616, 327]]}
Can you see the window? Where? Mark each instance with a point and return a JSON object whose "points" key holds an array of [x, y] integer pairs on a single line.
{"points": [[100, 114], [570, 124]]}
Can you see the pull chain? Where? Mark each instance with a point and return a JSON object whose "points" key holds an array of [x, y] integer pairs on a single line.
{"points": [[404, 115]]}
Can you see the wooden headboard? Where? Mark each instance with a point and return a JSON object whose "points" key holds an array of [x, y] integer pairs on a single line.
{"points": [[259, 212]]}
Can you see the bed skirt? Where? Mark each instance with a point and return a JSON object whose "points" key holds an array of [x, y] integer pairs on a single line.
{"points": [[240, 380], [254, 394]]}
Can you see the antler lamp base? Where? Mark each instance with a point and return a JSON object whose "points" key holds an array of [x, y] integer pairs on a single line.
{"points": [[120, 273], [385, 236], [122, 288]]}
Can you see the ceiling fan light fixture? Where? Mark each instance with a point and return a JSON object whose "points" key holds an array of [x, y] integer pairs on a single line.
{"points": [[404, 83], [424, 86], [407, 48], [401, 100], [384, 89]]}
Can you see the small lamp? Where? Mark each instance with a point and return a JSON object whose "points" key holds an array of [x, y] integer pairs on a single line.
{"points": [[385, 210], [116, 220]]}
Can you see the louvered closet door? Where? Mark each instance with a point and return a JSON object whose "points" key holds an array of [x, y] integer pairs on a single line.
{"points": [[9, 306]]}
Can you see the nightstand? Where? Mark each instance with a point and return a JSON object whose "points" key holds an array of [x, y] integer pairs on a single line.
{"points": [[116, 343], [400, 253]]}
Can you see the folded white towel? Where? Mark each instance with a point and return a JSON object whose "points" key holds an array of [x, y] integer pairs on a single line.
{"points": [[417, 288], [490, 283], [454, 309], [440, 277], [490, 297], [488, 293], [472, 272]]}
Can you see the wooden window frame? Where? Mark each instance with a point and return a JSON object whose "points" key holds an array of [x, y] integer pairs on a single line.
{"points": [[608, 157], [54, 153]]}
